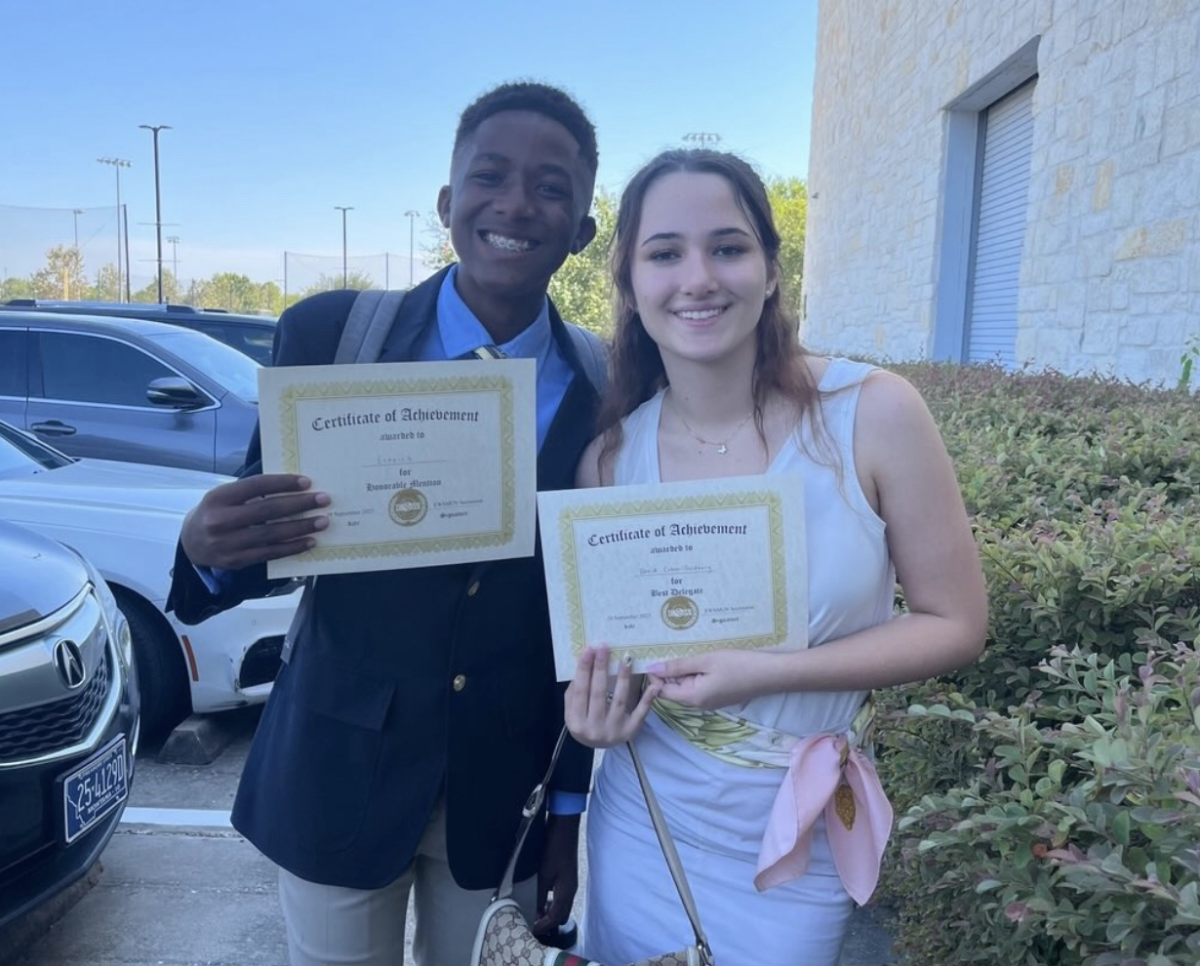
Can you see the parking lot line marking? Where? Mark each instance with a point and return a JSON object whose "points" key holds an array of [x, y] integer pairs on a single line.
{"points": [[181, 817]]}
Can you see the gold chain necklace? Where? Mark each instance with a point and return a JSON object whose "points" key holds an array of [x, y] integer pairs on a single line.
{"points": [[721, 445]]}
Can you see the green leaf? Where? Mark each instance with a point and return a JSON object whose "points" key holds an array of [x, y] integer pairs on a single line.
{"points": [[1120, 827]]}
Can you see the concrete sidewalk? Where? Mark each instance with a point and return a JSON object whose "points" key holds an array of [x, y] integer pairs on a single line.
{"points": [[186, 897], [188, 890]]}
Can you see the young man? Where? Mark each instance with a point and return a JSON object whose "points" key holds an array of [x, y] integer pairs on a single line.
{"points": [[418, 708]]}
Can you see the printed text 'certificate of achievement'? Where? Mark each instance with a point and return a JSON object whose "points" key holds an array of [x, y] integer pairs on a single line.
{"points": [[425, 463], [659, 571]]}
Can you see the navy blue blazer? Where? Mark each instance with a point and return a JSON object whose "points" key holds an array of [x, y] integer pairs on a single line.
{"points": [[404, 684]]}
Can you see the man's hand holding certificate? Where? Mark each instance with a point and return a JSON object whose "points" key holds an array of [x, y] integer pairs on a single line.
{"points": [[425, 463], [660, 571]]}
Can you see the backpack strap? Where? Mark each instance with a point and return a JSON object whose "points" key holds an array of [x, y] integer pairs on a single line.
{"points": [[593, 355], [367, 326], [374, 313]]}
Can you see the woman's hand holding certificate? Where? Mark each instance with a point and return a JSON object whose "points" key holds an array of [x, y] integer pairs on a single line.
{"points": [[660, 571], [424, 463]]}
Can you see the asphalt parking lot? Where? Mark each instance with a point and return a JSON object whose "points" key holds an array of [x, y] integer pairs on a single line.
{"points": [[179, 887]]}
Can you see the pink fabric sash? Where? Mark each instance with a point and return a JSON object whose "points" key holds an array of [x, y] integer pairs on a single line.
{"points": [[827, 774]]}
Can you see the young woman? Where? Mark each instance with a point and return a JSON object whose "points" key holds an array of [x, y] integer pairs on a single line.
{"points": [[709, 380]]}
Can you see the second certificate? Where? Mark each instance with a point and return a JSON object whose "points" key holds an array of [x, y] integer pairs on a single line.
{"points": [[425, 463], [659, 571]]}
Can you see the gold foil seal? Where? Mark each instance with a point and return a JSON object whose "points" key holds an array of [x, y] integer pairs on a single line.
{"points": [[843, 804]]}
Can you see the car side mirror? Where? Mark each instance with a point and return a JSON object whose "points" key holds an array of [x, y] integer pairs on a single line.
{"points": [[176, 392]]}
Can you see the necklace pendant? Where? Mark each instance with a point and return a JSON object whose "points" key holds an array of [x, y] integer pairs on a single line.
{"points": [[722, 449]]}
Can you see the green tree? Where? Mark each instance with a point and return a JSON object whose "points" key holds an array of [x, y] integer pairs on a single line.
{"points": [[270, 298], [789, 202], [199, 293], [582, 288], [106, 288], [327, 283], [171, 290], [233, 292], [16, 288], [62, 277], [436, 250]]}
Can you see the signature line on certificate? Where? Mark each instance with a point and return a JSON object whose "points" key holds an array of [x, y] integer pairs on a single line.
{"points": [[382, 462]]}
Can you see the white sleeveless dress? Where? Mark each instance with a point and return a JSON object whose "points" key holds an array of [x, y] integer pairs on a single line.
{"points": [[718, 811]]}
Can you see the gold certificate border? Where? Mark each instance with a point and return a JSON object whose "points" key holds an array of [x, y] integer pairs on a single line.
{"points": [[773, 503], [447, 385]]}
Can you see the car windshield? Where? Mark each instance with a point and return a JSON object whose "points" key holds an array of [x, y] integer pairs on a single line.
{"points": [[234, 370], [21, 455]]}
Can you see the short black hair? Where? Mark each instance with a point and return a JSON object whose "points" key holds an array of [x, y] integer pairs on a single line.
{"points": [[541, 99]]}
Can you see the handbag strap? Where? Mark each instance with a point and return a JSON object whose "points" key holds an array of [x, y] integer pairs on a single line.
{"points": [[667, 844], [533, 807]]}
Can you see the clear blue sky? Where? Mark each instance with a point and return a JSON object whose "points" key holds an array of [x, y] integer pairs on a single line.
{"points": [[282, 110]]}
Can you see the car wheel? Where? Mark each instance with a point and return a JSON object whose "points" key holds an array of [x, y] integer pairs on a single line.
{"points": [[162, 673]]}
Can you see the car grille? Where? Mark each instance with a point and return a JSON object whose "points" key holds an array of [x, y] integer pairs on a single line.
{"points": [[261, 663], [48, 727]]}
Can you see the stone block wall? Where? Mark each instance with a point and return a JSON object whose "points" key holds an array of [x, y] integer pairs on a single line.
{"points": [[1110, 274]]}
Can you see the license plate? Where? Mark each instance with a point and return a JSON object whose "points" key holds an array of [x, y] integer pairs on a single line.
{"points": [[94, 789]]}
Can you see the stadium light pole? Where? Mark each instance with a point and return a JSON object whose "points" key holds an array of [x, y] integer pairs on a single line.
{"points": [[345, 273], [411, 215], [154, 129], [174, 240], [702, 139], [118, 164]]}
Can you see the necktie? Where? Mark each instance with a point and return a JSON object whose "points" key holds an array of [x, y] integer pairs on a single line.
{"points": [[488, 352]]}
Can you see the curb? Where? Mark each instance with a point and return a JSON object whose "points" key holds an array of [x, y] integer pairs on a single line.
{"points": [[198, 740]]}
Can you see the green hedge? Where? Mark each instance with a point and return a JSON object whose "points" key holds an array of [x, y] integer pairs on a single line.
{"points": [[1050, 794]]}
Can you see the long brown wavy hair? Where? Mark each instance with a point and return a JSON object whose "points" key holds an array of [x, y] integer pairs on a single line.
{"points": [[636, 365]]}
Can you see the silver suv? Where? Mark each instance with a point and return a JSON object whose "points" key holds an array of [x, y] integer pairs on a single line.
{"points": [[68, 718], [126, 389]]}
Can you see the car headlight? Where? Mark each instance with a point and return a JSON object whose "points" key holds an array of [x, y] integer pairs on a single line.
{"points": [[114, 621]]}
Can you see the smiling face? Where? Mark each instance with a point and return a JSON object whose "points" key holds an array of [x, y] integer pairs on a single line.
{"points": [[699, 275], [516, 206]]}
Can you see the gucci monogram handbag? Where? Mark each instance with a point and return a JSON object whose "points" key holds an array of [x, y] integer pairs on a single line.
{"points": [[504, 937]]}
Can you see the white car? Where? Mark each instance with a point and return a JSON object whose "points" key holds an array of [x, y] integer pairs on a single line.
{"points": [[125, 518]]}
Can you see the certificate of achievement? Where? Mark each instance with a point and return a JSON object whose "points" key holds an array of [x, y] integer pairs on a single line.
{"points": [[425, 463], [664, 570]]}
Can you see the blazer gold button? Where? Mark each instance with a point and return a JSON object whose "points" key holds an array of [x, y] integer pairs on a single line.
{"points": [[460, 682], [473, 589]]}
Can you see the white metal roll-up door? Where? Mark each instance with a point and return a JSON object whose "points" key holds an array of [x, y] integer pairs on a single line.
{"points": [[999, 236]]}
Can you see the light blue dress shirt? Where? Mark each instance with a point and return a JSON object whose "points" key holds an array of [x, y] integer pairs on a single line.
{"points": [[459, 333]]}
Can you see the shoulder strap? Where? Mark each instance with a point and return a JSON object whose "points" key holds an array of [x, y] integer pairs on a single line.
{"points": [[367, 326], [592, 354], [533, 807]]}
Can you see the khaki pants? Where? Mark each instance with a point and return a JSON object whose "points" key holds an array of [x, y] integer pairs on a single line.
{"points": [[335, 926]]}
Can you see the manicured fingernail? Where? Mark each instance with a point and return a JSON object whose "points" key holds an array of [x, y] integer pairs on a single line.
{"points": [[322, 499], [303, 482], [320, 523]]}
